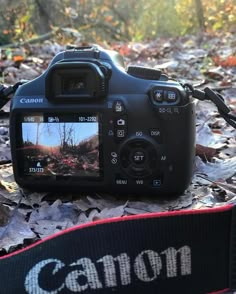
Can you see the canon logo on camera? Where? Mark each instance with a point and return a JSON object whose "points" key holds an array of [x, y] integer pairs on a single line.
{"points": [[31, 100]]}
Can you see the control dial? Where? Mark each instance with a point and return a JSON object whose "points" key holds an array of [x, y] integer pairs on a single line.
{"points": [[138, 158]]}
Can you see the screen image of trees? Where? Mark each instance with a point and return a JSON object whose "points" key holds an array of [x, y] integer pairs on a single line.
{"points": [[61, 148]]}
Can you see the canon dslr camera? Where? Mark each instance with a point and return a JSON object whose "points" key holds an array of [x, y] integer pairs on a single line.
{"points": [[86, 124]]}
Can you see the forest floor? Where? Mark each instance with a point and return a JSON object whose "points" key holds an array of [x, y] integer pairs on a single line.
{"points": [[205, 60]]}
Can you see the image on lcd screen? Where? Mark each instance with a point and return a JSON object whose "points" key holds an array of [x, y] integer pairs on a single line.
{"points": [[58, 148]]}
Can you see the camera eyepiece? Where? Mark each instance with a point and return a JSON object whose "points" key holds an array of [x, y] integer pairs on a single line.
{"points": [[75, 80]]}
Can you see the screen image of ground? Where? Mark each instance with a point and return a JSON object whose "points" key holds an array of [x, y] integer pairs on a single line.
{"points": [[60, 148]]}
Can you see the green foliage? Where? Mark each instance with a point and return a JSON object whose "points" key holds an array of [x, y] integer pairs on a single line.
{"points": [[156, 18], [105, 20]]}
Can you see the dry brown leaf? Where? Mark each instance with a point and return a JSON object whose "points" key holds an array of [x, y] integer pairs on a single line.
{"points": [[206, 153], [9, 186]]}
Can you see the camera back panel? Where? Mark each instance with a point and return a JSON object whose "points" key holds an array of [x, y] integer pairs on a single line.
{"points": [[130, 134]]}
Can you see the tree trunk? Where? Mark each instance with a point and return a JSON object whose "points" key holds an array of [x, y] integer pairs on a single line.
{"points": [[200, 15], [43, 26]]}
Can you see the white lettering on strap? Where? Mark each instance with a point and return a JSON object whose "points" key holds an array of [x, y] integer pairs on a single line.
{"points": [[171, 261], [32, 279], [84, 274], [140, 268], [89, 271]]}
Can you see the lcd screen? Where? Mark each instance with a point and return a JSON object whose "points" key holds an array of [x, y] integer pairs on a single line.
{"points": [[60, 145]]}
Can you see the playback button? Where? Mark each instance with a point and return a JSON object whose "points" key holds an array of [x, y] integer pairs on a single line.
{"points": [[156, 183]]}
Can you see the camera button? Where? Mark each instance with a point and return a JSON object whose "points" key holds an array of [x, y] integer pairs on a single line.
{"points": [[121, 121]]}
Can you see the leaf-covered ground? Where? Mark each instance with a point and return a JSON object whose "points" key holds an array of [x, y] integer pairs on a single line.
{"points": [[203, 60]]}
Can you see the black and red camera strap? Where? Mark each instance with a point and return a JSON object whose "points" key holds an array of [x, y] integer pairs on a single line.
{"points": [[191, 251]]}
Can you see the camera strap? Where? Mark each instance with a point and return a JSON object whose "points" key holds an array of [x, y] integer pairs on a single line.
{"points": [[216, 98], [189, 251], [5, 92]]}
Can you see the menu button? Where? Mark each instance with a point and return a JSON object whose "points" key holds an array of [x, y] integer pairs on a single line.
{"points": [[121, 182]]}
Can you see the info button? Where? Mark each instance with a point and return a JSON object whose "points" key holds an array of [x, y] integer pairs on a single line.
{"points": [[156, 134]]}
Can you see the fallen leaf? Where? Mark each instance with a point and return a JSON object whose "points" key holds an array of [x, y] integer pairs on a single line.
{"points": [[4, 215], [49, 219], [10, 187], [215, 73], [45, 227], [225, 62], [16, 231], [205, 153], [111, 212], [218, 170], [206, 137]]}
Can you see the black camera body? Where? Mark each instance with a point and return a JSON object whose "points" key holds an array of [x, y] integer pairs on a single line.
{"points": [[86, 125]]}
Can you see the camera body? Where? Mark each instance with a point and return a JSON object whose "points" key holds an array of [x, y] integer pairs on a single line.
{"points": [[88, 125]]}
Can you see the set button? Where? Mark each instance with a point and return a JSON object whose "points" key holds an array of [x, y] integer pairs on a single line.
{"points": [[138, 157]]}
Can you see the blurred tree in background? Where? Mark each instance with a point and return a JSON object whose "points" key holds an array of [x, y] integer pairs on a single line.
{"points": [[105, 21]]}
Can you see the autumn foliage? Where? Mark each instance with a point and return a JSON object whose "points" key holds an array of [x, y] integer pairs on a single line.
{"points": [[99, 20]]}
